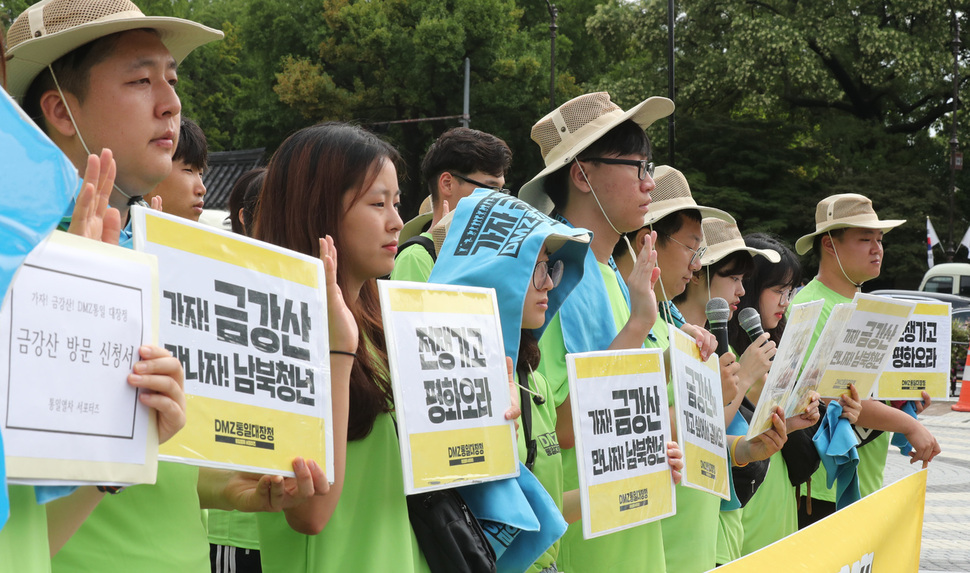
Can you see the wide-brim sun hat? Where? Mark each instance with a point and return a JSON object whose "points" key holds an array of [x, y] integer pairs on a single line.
{"points": [[416, 225], [672, 194], [52, 28], [844, 211], [723, 238], [575, 125]]}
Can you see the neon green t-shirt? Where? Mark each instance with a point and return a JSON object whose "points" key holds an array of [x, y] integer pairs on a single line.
{"points": [[636, 549], [872, 456], [730, 535], [772, 512], [233, 528], [146, 528], [369, 530], [23, 540], [413, 264], [548, 464]]}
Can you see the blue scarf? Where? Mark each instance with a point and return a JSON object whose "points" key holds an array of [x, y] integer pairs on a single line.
{"points": [[836, 445]]}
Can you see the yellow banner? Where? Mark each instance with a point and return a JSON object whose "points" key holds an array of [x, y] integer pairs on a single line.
{"points": [[706, 469], [881, 532], [461, 455], [619, 503], [446, 301], [616, 365], [910, 385], [244, 435]]}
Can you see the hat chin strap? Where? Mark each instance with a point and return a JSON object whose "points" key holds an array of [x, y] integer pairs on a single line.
{"points": [[132, 199], [623, 236], [834, 250]]}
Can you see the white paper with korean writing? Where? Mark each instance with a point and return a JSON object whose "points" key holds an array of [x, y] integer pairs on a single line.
{"points": [[865, 345], [699, 407], [450, 382], [70, 329], [779, 386], [921, 359], [248, 322], [818, 360], [622, 425]]}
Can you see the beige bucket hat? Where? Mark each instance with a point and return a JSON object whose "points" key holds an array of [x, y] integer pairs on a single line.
{"points": [[843, 211], [672, 194], [416, 225], [723, 238], [52, 28], [577, 124]]}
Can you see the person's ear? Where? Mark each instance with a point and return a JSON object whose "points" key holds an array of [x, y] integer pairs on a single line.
{"points": [[576, 177], [638, 242], [828, 244], [242, 219], [445, 183], [56, 114]]}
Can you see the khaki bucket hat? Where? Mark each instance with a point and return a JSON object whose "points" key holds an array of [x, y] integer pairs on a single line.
{"points": [[672, 194], [52, 28], [723, 238], [575, 125], [843, 211], [416, 225]]}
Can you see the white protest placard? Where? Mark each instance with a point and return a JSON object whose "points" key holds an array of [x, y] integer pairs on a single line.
{"points": [[70, 329], [819, 359], [450, 382], [921, 359], [699, 407], [865, 345], [622, 425], [779, 386], [248, 322]]}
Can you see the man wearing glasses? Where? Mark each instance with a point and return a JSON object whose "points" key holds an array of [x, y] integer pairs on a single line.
{"points": [[457, 163]]}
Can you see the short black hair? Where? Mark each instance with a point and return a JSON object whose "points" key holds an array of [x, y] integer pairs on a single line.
{"points": [[464, 151], [245, 195], [193, 149], [670, 224], [628, 138]]}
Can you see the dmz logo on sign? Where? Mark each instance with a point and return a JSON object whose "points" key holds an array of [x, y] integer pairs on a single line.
{"points": [[499, 223], [863, 565]]}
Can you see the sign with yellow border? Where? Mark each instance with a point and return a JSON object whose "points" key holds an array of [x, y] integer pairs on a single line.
{"points": [[921, 359]]}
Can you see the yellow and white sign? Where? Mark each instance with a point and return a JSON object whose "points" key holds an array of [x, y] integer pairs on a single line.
{"points": [[622, 425], [865, 346], [70, 329], [450, 382], [699, 407], [880, 532], [921, 359], [248, 322], [779, 388]]}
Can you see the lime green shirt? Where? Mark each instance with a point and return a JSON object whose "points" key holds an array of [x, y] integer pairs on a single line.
{"points": [[636, 549], [23, 540], [548, 464], [872, 456], [413, 264], [730, 535], [146, 528], [369, 530], [772, 512], [233, 528]]}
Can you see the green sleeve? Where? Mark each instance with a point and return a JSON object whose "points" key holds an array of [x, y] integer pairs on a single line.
{"points": [[413, 264], [552, 360]]}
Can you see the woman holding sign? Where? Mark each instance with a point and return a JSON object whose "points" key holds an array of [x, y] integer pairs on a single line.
{"points": [[771, 514]]}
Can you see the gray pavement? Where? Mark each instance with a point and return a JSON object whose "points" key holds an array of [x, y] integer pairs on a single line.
{"points": [[946, 520]]}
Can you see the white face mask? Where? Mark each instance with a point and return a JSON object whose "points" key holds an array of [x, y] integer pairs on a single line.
{"points": [[132, 199]]}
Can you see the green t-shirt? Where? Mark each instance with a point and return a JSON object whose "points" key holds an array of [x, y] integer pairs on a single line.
{"points": [[548, 464], [369, 530], [872, 456], [730, 535], [233, 528], [636, 549], [772, 512], [23, 540], [413, 264], [146, 528]]}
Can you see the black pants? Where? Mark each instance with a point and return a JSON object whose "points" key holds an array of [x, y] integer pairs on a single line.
{"points": [[820, 510], [229, 559]]}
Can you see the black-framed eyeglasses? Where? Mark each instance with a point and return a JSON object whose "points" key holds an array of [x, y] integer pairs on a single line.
{"points": [[544, 269], [698, 252], [643, 166], [480, 185]]}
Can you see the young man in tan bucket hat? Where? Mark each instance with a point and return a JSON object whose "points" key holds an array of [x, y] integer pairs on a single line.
{"points": [[848, 239], [598, 176]]}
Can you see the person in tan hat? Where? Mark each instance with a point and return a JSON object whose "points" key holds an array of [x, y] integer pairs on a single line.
{"points": [[848, 239], [458, 162], [598, 176]]}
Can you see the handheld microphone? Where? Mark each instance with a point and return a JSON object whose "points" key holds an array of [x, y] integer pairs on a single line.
{"points": [[750, 321], [718, 312]]}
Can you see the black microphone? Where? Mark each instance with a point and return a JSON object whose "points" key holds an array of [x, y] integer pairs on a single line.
{"points": [[718, 312], [750, 321]]}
